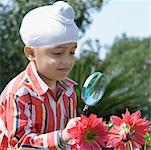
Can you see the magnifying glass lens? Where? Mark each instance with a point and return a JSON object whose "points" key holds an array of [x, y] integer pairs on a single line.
{"points": [[94, 88]]}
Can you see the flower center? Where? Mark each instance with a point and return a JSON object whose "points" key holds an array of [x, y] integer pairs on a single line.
{"points": [[126, 132], [90, 136]]}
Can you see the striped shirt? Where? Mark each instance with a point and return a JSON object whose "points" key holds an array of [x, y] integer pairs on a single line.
{"points": [[31, 114]]}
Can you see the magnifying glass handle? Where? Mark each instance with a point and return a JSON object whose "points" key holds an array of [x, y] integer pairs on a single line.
{"points": [[85, 110]]}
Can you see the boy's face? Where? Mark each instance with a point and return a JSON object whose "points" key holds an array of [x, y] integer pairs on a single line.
{"points": [[55, 63]]}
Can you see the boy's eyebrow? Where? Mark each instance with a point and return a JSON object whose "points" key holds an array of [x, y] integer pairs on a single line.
{"points": [[74, 47], [59, 46]]}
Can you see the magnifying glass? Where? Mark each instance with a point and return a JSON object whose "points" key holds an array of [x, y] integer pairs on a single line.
{"points": [[93, 90]]}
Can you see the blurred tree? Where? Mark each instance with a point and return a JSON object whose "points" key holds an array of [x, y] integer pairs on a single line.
{"points": [[13, 60], [128, 70]]}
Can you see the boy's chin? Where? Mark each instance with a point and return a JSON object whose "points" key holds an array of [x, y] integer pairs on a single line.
{"points": [[61, 78]]}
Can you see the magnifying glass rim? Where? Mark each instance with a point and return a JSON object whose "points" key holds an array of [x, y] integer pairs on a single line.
{"points": [[86, 83]]}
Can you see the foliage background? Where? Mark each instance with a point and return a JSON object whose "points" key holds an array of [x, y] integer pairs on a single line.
{"points": [[127, 64]]}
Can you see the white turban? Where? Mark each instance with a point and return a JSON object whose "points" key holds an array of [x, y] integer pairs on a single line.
{"points": [[49, 25]]}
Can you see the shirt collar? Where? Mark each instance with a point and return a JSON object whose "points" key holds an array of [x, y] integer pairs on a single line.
{"points": [[39, 85]]}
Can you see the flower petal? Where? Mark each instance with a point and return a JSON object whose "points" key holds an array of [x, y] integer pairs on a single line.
{"points": [[116, 120]]}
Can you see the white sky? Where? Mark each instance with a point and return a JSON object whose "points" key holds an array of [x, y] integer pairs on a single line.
{"points": [[132, 17]]}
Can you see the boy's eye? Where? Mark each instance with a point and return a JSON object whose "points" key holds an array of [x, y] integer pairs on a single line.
{"points": [[59, 53]]}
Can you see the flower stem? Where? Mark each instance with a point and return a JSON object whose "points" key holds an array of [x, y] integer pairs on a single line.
{"points": [[130, 147], [145, 146]]}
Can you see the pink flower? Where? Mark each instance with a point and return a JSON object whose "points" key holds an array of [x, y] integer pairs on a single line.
{"points": [[128, 132], [90, 133]]}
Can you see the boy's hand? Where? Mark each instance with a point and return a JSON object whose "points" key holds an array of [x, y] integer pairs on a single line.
{"points": [[65, 135]]}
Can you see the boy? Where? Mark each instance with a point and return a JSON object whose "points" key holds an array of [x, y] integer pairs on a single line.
{"points": [[35, 107]]}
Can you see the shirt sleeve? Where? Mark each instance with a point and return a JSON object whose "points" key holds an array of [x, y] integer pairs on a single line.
{"points": [[21, 133], [3, 130]]}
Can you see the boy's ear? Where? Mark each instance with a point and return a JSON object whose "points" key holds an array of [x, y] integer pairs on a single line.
{"points": [[29, 52]]}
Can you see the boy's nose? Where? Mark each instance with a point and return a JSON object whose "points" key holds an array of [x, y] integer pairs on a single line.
{"points": [[68, 60]]}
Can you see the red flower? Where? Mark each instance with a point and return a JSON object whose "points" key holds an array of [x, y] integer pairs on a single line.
{"points": [[3, 141], [128, 132], [90, 133]]}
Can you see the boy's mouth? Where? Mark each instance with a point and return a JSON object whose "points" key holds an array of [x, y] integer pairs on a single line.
{"points": [[64, 69]]}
